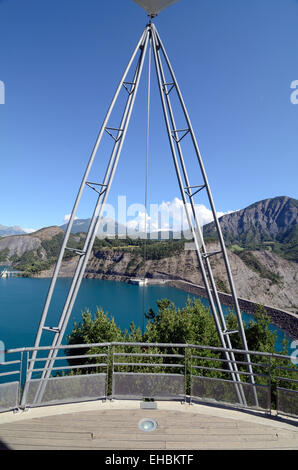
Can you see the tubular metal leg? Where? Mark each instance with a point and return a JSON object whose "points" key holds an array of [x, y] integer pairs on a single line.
{"points": [[142, 44], [219, 320], [94, 228], [159, 46]]}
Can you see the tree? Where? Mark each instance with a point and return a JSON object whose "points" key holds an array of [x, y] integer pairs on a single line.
{"points": [[193, 325], [258, 335], [100, 329]]}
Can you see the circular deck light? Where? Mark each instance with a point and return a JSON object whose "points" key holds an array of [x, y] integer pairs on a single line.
{"points": [[147, 424]]}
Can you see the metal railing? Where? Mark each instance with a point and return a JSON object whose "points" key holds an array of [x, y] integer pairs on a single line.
{"points": [[286, 388], [167, 371], [148, 370], [210, 377], [10, 380]]}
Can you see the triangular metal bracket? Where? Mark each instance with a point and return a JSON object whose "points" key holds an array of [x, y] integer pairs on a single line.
{"points": [[104, 186], [211, 253], [230, 332], [190, 194], [76, 250], [108, 129], [165, 85], [174, 132], [54, 329], [132, 87]]}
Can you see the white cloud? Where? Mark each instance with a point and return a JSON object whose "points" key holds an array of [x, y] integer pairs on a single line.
{"points": [[164, 217], [205, 215], [141, 222], [169, 215], [177, 212], [29, 230], [67, 217]]}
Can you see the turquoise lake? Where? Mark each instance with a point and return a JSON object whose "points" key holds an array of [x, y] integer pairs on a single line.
{"points": [[22, 301]]}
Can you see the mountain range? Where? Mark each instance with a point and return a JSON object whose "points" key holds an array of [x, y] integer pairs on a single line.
{"points": [[6, 231], [269, 224], [107, 228], [262, 247]]}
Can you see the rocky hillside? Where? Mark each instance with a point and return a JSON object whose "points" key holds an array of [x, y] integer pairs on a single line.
{"points": [[32, 253], [262, 248], [270, 280], [15, 246], [270, 224], [262, 278]]}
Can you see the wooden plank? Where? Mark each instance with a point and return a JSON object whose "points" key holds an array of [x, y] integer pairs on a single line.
{"points": [[144, 439], [128, 423], [90, 444], [275, 445], [188, 437], [167, 444], [37, 433], [170, 446]]}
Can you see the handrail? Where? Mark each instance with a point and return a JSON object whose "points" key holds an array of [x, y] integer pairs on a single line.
{"points": [[185, 357], [142, 344]]}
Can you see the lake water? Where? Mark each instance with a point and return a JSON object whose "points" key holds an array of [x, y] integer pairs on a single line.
{"points": [[22, 301]]}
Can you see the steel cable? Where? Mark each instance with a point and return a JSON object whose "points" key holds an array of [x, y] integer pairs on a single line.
{"points": [[146, 180]]}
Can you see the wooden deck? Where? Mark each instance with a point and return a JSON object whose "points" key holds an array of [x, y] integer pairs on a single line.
{"points": [[114, 426]]}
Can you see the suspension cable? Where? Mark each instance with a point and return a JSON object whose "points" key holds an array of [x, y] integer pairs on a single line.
{"points": [[146, 177]]}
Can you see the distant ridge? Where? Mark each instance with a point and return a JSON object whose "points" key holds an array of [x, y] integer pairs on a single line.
{"points": [[272, 222], [108, 227], [14, 230]]}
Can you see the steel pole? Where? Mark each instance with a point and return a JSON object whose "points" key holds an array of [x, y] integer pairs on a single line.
{"points": [[212, 205], [76, 281], [213, 307], [74, 211], [99, 207], [218, 310]]}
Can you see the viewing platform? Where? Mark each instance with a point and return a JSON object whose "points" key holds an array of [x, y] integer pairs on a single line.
{"points": [[99, 399], [114, 425]]}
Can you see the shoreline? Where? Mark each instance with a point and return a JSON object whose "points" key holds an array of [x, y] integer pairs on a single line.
{"points": [[286, 321]]}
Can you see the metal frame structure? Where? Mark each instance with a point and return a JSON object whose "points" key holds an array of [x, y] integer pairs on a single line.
{"points": [[188, 191]]}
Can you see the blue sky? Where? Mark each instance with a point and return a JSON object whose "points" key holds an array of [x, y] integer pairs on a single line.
{"points": [[61, 61]]}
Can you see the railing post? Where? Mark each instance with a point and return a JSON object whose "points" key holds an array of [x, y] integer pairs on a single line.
{"points": [[190, 375], [269, 383], [23, 395], [185, 373], [112, 371], [107, 373], [20, 379]]}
